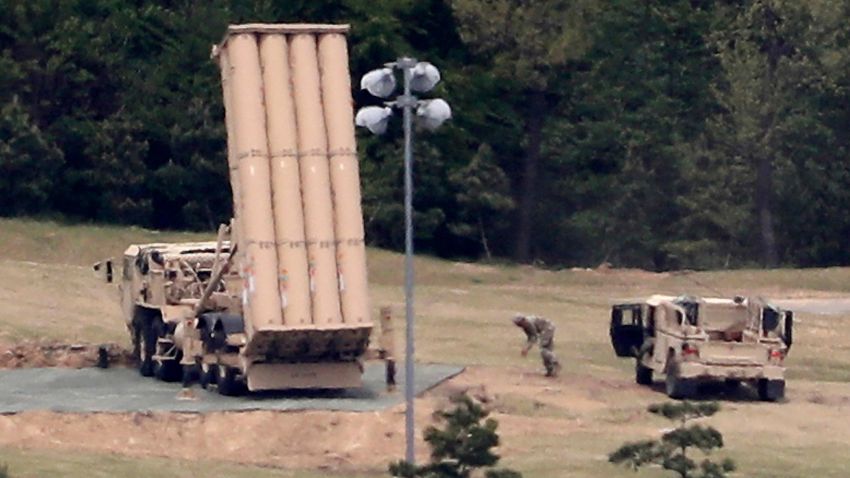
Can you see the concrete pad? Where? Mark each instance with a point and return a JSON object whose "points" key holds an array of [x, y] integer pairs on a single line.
{"points": [[124, 390]]}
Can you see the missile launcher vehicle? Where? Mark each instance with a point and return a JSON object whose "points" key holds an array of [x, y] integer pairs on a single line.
{"points": [[280, 299], [693, 340]]}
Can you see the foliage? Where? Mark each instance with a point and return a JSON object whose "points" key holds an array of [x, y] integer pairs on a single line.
{"points": [[645, 133], [483, 196], [4, 471], [528, 47], [671, 450], [461, 447]]}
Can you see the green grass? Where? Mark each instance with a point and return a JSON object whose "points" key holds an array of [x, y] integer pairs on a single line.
{"points": [[51, 242]]}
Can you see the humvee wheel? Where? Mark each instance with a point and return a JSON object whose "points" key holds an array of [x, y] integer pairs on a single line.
{"points": [[771, 390], [675, 386], [643, 374], [227, 383], [145, 350]]}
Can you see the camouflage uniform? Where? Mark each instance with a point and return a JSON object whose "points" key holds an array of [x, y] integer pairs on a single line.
{"points": [[542, 332]]}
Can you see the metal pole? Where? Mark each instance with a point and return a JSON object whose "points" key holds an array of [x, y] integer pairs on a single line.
{"points": [[407, 64]]}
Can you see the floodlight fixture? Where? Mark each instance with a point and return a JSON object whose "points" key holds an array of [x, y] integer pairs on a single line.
{"points": [[380, 82], [432, 113], [419, 77], [424, 77], [374, 118]]}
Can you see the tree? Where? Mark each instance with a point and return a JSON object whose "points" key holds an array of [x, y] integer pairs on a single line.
{"points": [[613, 160], [29, 162], [671, 450], [483, 193], [530, 46], [461, 447], [767, 61]]}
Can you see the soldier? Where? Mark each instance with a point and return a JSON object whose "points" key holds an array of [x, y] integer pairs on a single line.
{"points": [[540, 331]]}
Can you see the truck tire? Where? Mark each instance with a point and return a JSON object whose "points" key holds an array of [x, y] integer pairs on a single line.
{"points": [[771, 390], [168, 371], [228, 385], [676, 387], [208, 374], [190, 374], [145, 347], [643, 374], [165, 370]]}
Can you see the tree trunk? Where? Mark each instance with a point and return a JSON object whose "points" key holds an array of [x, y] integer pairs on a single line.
{"points": [[528, 187], [484, 242], [764, 207], [775, 47]]}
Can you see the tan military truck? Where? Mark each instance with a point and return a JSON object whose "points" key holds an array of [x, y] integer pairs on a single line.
{"points": [[280, 300], [693, 340], [182, 305]]}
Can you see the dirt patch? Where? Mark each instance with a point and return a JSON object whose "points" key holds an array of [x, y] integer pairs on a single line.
{"points": [[51, 353], [332, 441], [532, 411], [316, 440]]}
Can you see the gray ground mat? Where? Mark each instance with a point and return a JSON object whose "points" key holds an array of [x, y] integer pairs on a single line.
{"points": [[124, 390]]}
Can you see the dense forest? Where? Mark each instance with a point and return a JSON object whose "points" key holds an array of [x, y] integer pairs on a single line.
{"points": [[648, 133]]}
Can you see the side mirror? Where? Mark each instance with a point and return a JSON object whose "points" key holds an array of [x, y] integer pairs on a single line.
{"points": [[104, 270]]}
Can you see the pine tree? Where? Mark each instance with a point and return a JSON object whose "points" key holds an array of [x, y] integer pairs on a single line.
{"points": [[672, 449], [461, 447], [530, 46], [484, 196]]}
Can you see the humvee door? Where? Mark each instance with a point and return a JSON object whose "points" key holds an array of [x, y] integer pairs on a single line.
{"points": [[627, 329]]}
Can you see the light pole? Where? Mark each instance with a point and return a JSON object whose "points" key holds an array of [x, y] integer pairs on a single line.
{"points": [[420, 77]]}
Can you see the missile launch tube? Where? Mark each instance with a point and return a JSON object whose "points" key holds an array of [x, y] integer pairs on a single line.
{"points": [[345, 178], [232, 163], [259, 265], [285, 180], [315, 180]]}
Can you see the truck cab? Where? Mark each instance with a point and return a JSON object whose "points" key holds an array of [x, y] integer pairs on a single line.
{"points": [[693, 340]]}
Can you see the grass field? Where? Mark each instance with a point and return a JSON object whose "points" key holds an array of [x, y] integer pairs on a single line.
{"points": [[51, 464], [550, 429]]}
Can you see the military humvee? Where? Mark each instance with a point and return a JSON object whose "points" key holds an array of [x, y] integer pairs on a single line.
{"points": [[692, 340]]}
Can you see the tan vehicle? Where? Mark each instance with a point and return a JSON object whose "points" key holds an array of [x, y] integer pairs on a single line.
{"points": [[693, 340], [280, 300]]}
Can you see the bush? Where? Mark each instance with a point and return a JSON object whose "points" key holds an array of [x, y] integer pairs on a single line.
{"points": [[461, 447], [671, 451]]}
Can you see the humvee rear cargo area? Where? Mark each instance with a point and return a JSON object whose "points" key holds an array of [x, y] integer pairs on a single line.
{"points": [[692, 340]]}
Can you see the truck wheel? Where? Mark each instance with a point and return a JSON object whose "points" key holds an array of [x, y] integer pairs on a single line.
{"points": [[731, 385], [208, 374], [190, 374], [145, 347], [676, 387], [643, 374], [168, 371], [227, 383], [771, 390]]}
